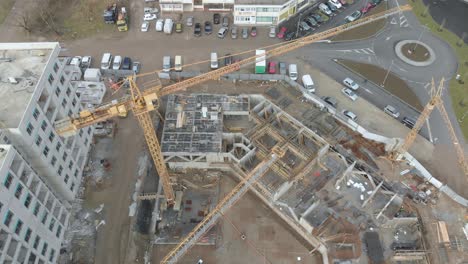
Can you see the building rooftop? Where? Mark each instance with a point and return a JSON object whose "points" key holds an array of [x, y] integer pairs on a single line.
{"points": [[24, 64], [261, 2], [3, 152]]}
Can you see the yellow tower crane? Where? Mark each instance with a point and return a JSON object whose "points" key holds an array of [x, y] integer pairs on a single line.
{"points": [[143, 102]]}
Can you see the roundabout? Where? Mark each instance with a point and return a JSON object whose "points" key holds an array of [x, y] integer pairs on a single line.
{"points": [[415, 53]]}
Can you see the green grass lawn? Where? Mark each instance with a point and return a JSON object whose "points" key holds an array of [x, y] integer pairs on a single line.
{"points": [[458, 92], [367, 30], [5, 8]]}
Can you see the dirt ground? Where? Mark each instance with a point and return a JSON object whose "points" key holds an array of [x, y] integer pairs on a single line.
{"points": [[267, 238]]}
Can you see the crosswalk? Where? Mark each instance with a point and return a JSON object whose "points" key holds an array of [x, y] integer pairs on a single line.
{"points": [[367, 51], [402, 21]]}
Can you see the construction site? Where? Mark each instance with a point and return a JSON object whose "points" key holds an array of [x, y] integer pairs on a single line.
{"points": [[263, 172]]}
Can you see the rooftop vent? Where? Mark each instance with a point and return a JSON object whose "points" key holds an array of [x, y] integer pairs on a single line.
{"points": [[12, 80]]}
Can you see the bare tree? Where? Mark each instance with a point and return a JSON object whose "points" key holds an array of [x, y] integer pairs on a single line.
{"points": [[24, 20]]}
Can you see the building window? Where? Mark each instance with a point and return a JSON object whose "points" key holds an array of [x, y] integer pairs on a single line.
{"points": [[58, 146], [46, 151], [70, 164], [56, 67], [64, 102], [1, 206], [52, 255], [44, 249], [75, 173], [72, 187], [27, 236], [44, 217], [8, 181], [37, 207], [8, 217], [74, 102], [68, 92], [36, 113], [27, 201], [51, 79], [51, 136], [29, 129], [18, 191], [89, 130], [62, 80], [38, 140], [52, 224], [70, 113], [44, 125], [36, 241], [65, 156], [80, 133], [53, 160], [86, 142], [59, 231], [66, 178], [19, 226], [60, 169]]}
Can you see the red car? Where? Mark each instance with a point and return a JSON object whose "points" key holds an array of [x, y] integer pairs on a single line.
{"points": [[343, 2], [253, 32], [272, 67], [367, 8], [282, 32]]}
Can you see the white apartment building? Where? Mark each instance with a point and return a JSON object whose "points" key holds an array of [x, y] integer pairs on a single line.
{"points": [[267, 12], [36, 90], [33, 218]]}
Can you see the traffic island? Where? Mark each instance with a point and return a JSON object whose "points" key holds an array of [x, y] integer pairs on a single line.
{"points": [[415, 53]]}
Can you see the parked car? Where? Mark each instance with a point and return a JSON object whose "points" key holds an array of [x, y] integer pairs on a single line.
{"points": [[208, 27], [349, 93], [354, 16], [168, 26], [234, 32], [325, 9], [76, 61], [225, 21], [245, 33], [178, 27], [330, 100], [409, 122], [350, 115], [253, 32], [272, 33], [317, 17], [282, 68], [351, 84], [126, 63], [150, 10], [281, 32], [86, 62], [367, 8], [336, 3], [117, 62], [376, 2], [149, 17], [197, 30], [144, 26], [160, 25], [136, 67], [343, 2], [222, 32], [290, 35], [227, 59], [106, 61], [332, 7], [391, 111], [311, 22], [216, 18], [189, 21], [324, 16], [304, 27], [272, 67]]}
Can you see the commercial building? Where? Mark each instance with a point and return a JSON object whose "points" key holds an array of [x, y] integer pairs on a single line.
{"points": [[36, 90], [34, 218]]}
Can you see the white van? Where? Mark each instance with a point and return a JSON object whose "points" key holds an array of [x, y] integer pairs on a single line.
{"points": [[214, 61], [293, 71], [106, 61], [308, 83], [222, 32], [166, 63], [178, 63]]}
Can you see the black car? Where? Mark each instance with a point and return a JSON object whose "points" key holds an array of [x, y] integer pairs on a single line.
{"points": [[409, 121], [290, 36], [330, 100], [197, 30], [227, 59], [208, 28], [317, 18], [311, 21], [216, 18], [126, 64]]}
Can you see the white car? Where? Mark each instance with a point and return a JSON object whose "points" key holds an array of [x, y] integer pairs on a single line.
{"points": [[76, 61], [392, 111], [144, 26], [351, 84], [117, 63], [336, 3], [350, 115], [150, 10], [86, 62], [272, 33], [324, 8], [349, 93], [149, 17], [160, 25]]}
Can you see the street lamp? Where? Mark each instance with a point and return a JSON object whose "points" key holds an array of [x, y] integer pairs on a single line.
{"points": [[386, 75], [298, 22]]}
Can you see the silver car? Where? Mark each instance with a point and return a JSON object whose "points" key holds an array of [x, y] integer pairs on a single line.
{"points": [[225, 21], [245, 33], [189, 21], [234, 32]]}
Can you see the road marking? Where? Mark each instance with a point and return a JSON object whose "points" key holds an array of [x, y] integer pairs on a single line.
{"points": [[393, 21], [367, 90], [364, 51], [370, 50], [429, 129], [403, 21], [426, 85]]}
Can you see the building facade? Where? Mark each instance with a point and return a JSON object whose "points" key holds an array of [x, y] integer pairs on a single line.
{"points": [[39, 92], [34, 218]]}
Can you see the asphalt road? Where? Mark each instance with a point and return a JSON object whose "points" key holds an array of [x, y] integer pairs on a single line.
{"points": [[453, 13]]}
